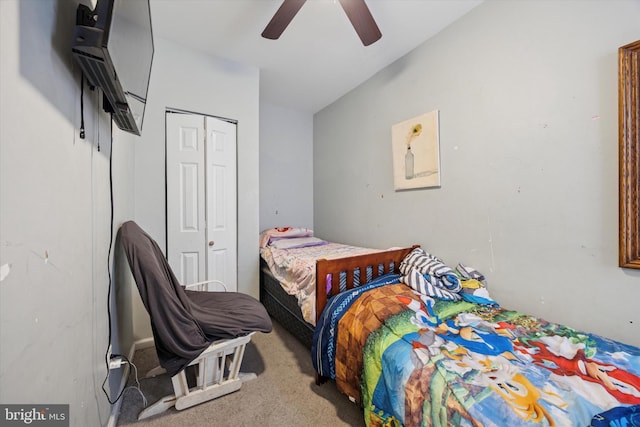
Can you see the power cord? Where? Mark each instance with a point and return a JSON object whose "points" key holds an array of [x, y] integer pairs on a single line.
{"points": [[117, 360], [114, 357], [82, 106], [144, 399], [106, 355]]}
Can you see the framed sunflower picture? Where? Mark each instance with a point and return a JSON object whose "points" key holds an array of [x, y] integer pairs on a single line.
{"points": [[416, 152]]}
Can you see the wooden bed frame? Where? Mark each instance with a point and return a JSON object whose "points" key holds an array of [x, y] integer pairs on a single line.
{"points": [[380, 263], [284, 308]]}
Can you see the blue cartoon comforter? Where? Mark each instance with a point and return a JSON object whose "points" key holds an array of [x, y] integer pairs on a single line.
{"points": [[414, 361]]}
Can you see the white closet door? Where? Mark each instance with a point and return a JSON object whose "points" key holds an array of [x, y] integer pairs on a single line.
{"points": [[186, 225], [222, 246], [202, 199]]}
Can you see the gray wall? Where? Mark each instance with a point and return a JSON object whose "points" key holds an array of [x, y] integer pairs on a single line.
{"points": [[185, 79], [55, 221], [286, 167], [527, 94]]}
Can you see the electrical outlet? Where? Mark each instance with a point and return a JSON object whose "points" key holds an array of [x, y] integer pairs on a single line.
{"points": [[115, 362]]}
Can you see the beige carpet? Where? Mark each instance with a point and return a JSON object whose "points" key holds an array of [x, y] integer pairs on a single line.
{"points": [[284, 394]]}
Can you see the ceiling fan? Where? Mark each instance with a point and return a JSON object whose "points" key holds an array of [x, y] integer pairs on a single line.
{"points": [[356, 10]]}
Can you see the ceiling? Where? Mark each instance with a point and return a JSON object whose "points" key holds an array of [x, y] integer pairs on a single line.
{"points": [[319, 57]]}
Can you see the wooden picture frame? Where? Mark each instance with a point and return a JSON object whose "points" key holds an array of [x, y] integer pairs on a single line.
{"points": [[629, 154]]}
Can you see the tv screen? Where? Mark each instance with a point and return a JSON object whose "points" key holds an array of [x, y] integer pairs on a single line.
{"points": [[114, 46]]}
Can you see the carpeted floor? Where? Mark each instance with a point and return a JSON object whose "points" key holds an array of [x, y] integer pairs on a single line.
{"points": [[284, 394]]}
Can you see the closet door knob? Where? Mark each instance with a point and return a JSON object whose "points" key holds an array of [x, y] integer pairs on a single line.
{"points": [[211, 243]]}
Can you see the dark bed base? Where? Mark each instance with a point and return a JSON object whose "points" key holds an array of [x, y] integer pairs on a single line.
{"points": [[283, 307]]}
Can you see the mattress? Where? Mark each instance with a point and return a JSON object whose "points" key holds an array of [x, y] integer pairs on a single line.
{"points": [[295, 269]]}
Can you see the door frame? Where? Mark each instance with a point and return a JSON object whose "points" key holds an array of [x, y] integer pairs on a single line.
{"points": [[170, 110]]}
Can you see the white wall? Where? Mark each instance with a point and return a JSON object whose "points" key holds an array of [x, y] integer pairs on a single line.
{"points": [[55, 217], [527, 94], [185, 79], [286, 167]]}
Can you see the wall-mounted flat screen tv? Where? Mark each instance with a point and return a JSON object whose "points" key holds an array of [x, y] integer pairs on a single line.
{"points": [[113, 44]]}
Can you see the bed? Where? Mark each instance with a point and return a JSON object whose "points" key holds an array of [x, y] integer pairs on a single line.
{"points": [[293, 260], [410, 358]]}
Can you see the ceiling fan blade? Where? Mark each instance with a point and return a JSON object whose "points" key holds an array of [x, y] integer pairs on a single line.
{"points": [[282, 18], [362, 20]]}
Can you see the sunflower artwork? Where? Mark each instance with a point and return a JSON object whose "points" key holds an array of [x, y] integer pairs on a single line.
{"points": [[416, 152]]}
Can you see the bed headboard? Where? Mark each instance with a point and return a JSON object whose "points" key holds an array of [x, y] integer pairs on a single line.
{"points": [[387, 261]]}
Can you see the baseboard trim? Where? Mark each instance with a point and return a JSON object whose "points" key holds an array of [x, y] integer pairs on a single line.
{"points": [[115, 408], [144, 343]]}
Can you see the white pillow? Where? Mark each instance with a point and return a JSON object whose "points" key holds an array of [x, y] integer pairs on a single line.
{"points": [[272, 234], [297, 242]]}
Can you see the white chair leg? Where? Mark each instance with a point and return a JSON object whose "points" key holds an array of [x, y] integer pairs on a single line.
{"points": [[159, 407], [207, 394], [247, 376], [211, 382]]}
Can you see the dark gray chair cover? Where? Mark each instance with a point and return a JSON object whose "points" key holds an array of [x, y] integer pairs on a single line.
{"points": [[184, 322]]}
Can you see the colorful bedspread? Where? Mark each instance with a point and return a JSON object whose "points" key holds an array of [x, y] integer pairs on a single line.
{"points": [[296, 270], [457, 363]]}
